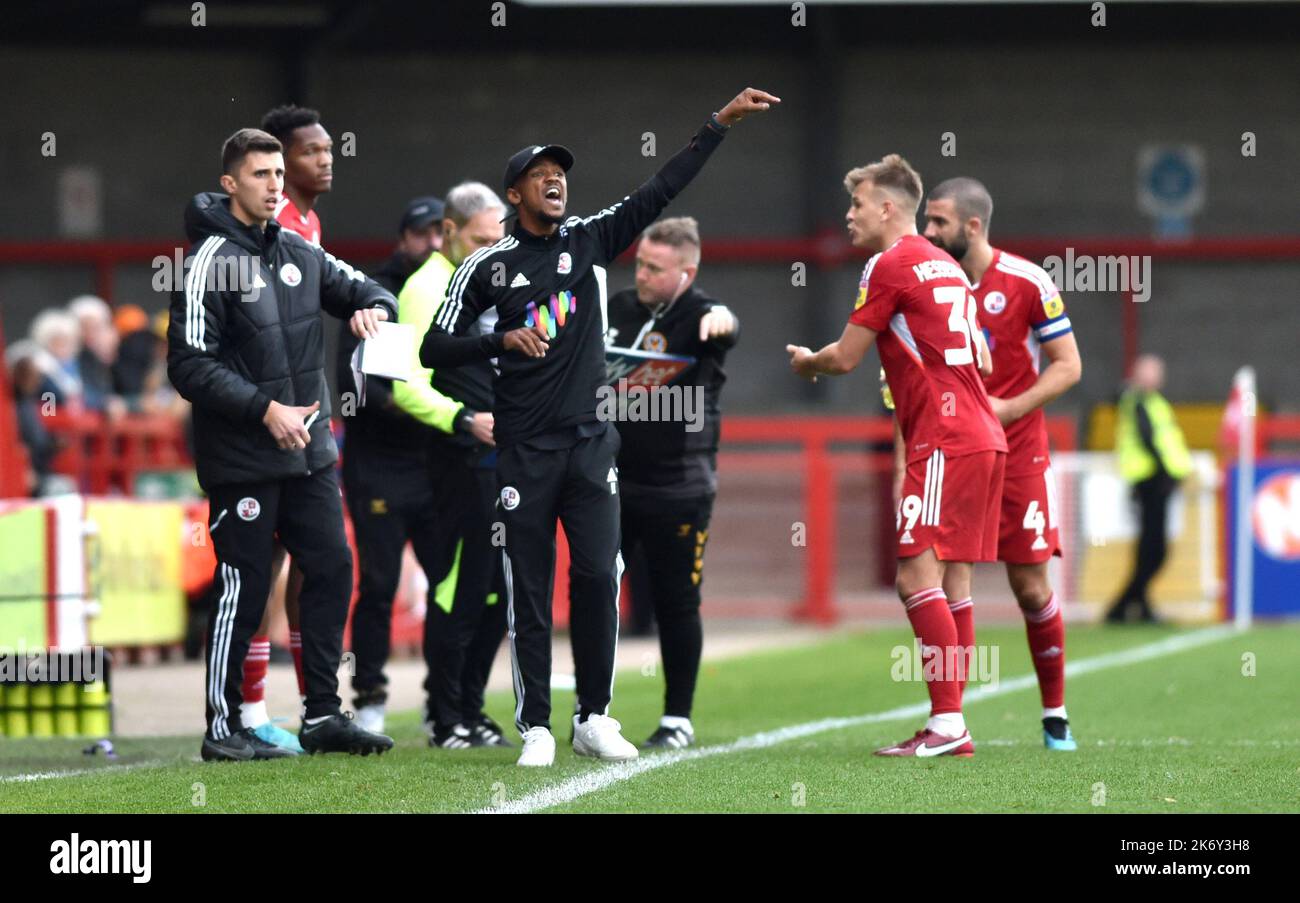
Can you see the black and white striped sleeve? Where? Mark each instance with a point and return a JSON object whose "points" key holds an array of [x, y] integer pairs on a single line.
{"points": [[194, 342], [344, 290], [617, 226], [448, 342]]}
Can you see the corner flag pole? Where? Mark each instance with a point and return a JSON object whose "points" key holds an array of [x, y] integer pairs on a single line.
{"points": [[1243, 584]]}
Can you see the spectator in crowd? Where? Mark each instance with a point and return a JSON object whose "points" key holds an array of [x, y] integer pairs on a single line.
{"points": [[129, 318], [157, 395], [99, 346], [26, 378], [59, 339], [135, 354]]}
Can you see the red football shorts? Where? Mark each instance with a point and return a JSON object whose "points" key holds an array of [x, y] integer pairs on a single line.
{"points": [[953, 505], [1029, 532]]}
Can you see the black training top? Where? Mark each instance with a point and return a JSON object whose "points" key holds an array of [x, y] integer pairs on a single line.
{"points": [[673, 459], [557, 282]]}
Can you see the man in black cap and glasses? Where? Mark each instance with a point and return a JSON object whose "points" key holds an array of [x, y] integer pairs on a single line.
{"points": [[547, 282]]}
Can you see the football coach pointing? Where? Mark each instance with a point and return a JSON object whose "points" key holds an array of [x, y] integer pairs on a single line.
{"points": [[250, 357], [547, 283]]}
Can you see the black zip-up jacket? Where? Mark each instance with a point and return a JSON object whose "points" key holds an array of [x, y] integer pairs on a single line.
{"points": [[379, 425], [663, 458], [558, 282], [246, 330]]}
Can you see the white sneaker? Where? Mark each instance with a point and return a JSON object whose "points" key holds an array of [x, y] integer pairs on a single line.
{"points": [[599, 737], [371, 718], [539, 748]]}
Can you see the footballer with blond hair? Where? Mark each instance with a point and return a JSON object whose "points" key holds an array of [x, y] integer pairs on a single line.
{"points": [[914, 304]]}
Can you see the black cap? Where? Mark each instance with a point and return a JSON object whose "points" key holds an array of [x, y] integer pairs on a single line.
{"points": [[524, 159], [420, 212]]}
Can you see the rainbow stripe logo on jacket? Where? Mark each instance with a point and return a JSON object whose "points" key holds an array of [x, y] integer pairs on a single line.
{"points": [[552, 316]]}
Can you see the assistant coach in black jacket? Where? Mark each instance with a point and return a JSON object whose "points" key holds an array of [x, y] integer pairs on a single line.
{"points": [[245, 347], [667, 469], [547, 282]]}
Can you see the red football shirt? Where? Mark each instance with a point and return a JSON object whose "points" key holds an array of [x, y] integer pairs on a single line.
{"points": [[1019, 309], [916, 298], [287, 215]]}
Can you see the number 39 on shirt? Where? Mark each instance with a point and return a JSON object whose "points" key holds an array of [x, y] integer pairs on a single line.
{"points": [[961, 320]]}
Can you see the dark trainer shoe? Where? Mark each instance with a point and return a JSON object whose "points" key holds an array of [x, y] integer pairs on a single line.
{"points": [[242, 746], [488, 733], [338, 733], [457, 736], [669, 738]]}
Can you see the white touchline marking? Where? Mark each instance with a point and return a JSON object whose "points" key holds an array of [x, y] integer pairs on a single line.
{"points": [[76, 773], [581, 785], [1148, 742]]}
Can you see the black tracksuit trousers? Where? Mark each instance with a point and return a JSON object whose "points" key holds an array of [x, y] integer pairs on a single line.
{"points": [[578, 485], [391, 500], [307, 514], [466, 618], [443, 506], [672, 534], [1153, 497]]}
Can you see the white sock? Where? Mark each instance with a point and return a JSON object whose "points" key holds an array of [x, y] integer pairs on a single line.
{"points": [[253, 714], [677, 722], [317, 720], [1056, 713], [949, 724]]}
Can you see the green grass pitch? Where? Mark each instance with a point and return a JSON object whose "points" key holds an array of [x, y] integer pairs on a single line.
{"points": [[1192, 730]]}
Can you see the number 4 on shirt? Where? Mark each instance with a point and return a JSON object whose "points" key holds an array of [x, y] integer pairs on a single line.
{"points": [[1034, 519]]}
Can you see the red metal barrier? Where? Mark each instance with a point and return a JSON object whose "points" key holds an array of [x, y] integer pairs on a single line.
{"points": [[824, 249], [1279, 428], [105, 455], [821, 465]]}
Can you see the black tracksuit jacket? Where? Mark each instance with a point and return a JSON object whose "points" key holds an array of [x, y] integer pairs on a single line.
{"points": [[380, 425], [560, 283], [237, 343], [664, 458]]}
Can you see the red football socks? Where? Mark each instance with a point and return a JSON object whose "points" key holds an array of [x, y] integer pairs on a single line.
{"points": [[1046, 632], [295, 649], [255, 665], [963, 615], [933, 625]]}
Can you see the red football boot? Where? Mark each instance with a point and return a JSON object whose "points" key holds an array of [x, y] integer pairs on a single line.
{"points": [[927, 743]]}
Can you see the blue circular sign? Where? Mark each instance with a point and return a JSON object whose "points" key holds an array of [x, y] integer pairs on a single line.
{"points": [[1171, 177]]}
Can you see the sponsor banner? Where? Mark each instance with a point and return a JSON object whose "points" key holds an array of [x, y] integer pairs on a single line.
{"points": [[1274, 524], [23, 577], [136, 573]]}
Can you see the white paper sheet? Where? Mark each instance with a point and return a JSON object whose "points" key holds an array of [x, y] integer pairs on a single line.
{"points": [[388, 354]]}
